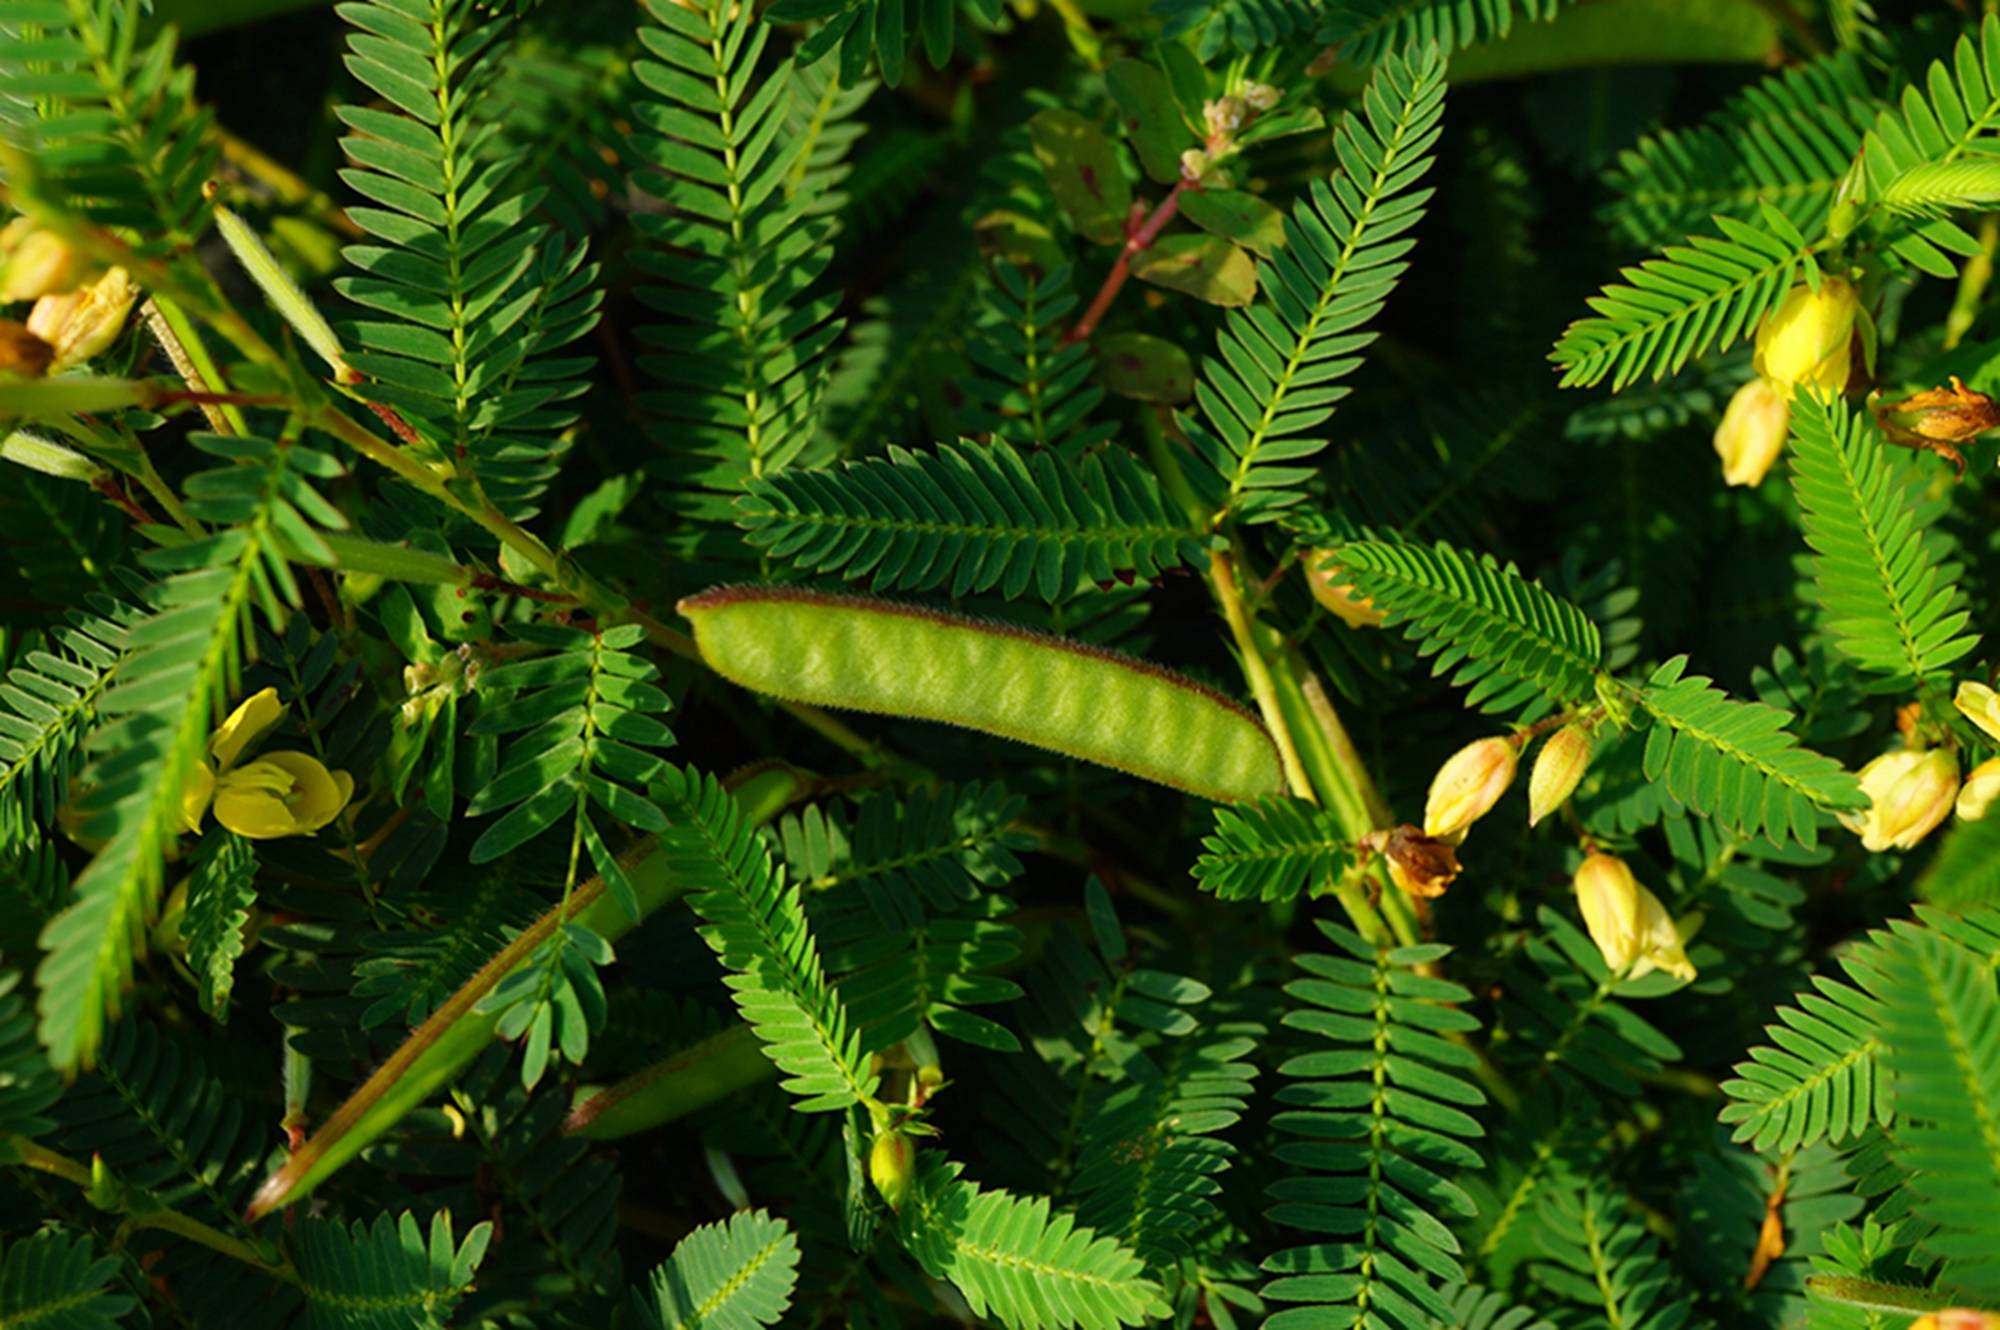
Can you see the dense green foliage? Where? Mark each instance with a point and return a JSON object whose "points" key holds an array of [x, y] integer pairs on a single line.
{"points": [[408, 923]]}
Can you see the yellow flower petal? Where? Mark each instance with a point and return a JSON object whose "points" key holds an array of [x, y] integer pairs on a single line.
{"points": [[200, 788], [281, 794], [256, 716]]}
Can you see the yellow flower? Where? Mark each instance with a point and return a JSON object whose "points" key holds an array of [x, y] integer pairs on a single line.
{"points": [[1981, 789], [1957, 1318], [1980, 705], [1468, 785], [1752, 432], [1630, 926], [1909, 793], [1558, 768], [1322, 573], [1806, 340], [37, 262], [200, 788], [82, 323], [281, 794], [255, 716]]}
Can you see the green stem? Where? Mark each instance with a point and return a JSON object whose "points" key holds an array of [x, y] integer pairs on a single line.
{"points": [[44, 1160], [1972, 282]]}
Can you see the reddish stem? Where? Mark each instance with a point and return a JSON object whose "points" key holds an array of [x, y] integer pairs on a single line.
{"points": [[1139, 240]]}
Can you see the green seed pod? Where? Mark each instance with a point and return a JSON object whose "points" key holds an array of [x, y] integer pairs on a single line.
{"points": [[904, 660]]}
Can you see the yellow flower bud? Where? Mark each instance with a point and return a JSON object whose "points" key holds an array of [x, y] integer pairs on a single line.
{"points": [[1558, 768], [1752, 432], [256, 716], [1631, 928], [83, 323], [1468, 785], [891, 1166], [1323, 575], [1981, 789], [1957, 1318], [1909, 793], [37, 262], [1980, 705], [1806, 340], [281, 794]]}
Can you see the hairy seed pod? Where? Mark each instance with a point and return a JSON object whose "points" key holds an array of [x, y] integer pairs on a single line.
{"points": [[904, 660]]}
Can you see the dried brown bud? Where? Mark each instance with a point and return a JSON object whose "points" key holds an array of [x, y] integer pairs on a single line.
{"points": [[23, 353], [1419, 865]]}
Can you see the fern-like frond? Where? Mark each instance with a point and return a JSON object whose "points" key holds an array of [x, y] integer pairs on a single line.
{"points": [[561, 104], [57, 540], [1786, 141], [1887, 605], [756, 925], [474, 297], [585, 727], [1599, 1255], [1694, 298], [108, 118], [1246, 25], [1943, 1036], [1014, 1260], [1367, 30], [740, 355], [386, 1275], [883, 29], [1271, 850], [52, 1281], [221, 890], [1150, 1155], [902, 898], [47, 704], [973, 519], [164, 693], [1036, 390], [1907, 162], [737, 1274], [1275, 377], [163, 1124], [1491, 630], [1372, 1124], [1568, 1018], [822, 119], [1477, 1309], [921, 848], [404, 975], [28, 1084], [1736, 762], [1822, 1077]]}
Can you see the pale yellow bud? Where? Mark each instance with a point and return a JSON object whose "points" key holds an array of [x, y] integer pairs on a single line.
{"points": [[1980, 705], [1194, 166], [1260, 96], [1957, 1318], [83, 323], [1558, 768], [892, 1166], [1909, 793], [1632, 929], [1806, 340], [1982, 787], [1752, 432], [1323, 575], [1468, 785], [1222, 117], [37, 262]]}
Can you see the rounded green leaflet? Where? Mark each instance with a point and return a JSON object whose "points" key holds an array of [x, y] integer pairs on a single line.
{"points": [[863, 654]]}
